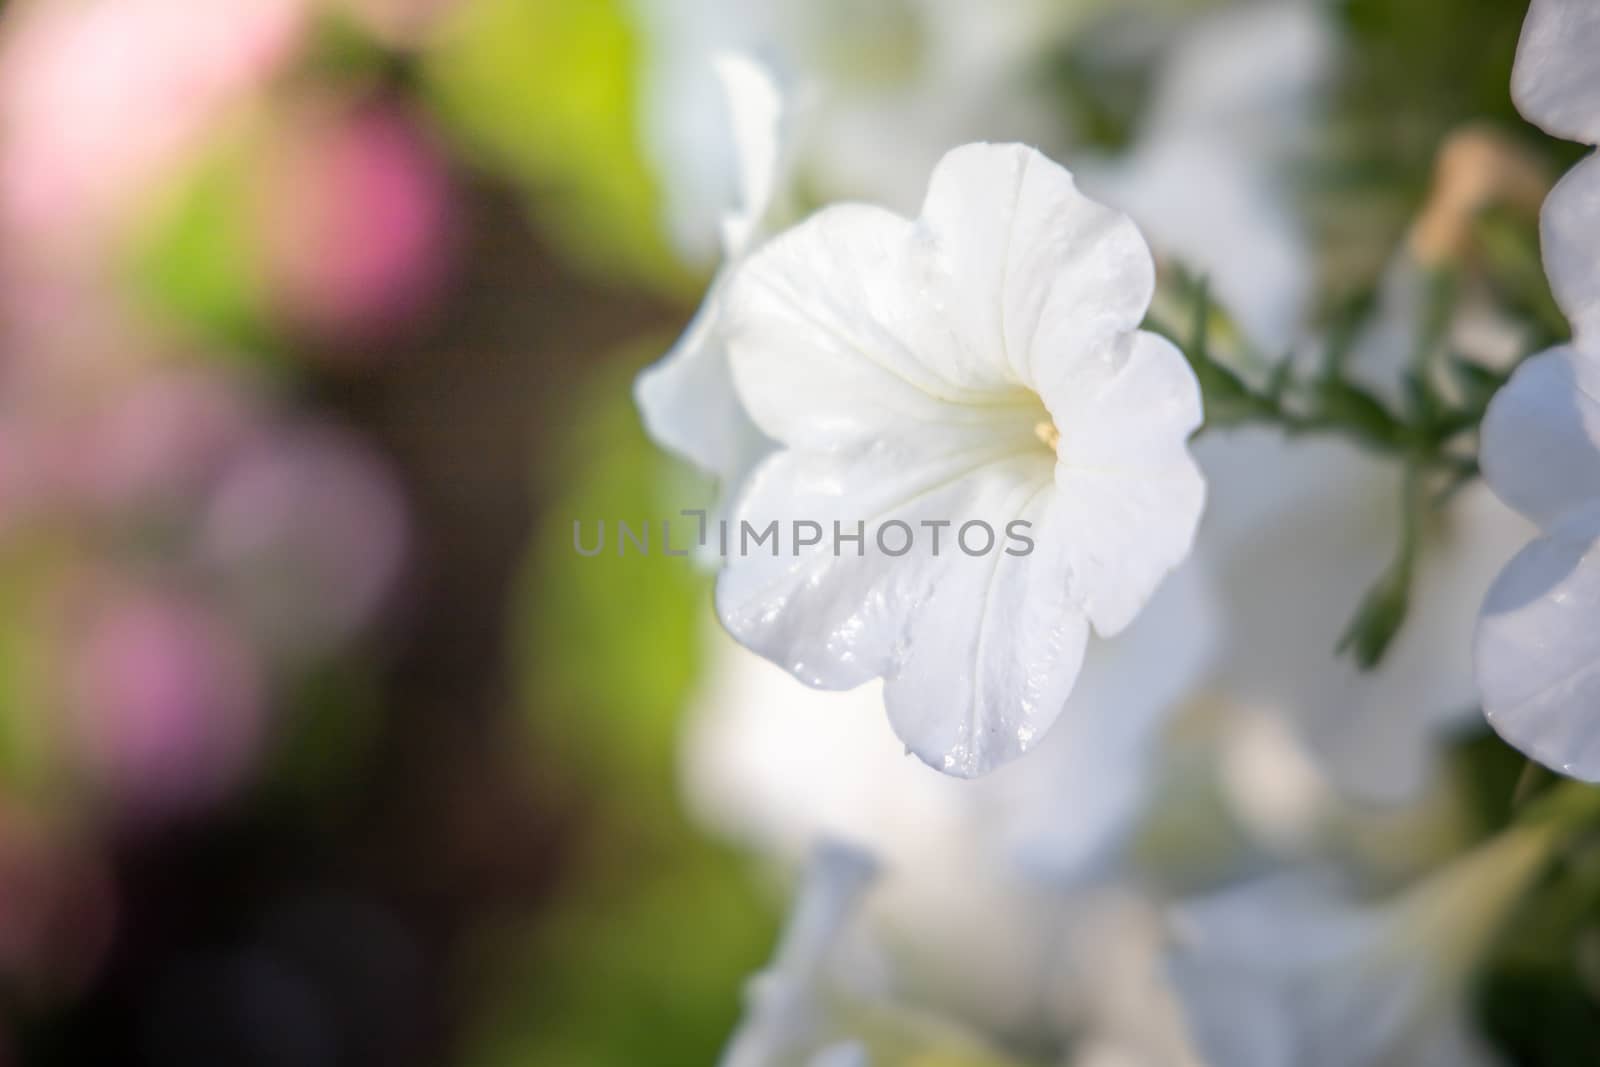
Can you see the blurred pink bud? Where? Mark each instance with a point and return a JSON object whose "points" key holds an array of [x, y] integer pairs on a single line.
{"points": [[156, 445], [310, 531], [148, 447], [357, 224], [167, 702], [100, 97]]}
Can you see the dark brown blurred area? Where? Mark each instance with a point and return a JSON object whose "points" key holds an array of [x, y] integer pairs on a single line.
{"points": [[309, 930]]}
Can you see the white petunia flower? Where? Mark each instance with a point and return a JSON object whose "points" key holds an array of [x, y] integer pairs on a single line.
{"points": [[687, 399], [1537, 649], [1537, 661], [1291, 971], [980, 365]]}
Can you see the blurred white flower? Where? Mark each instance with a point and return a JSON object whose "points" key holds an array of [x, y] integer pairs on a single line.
{"points": [[1535, 653], [786, 1011], [1208, 174], [890, 86], [982, 365], [1309, 522], [842, 991], [1290, 970], [899, 89], [825, 1001], [1312, 523], [1111, 988], [777, 766], [687, 399]]}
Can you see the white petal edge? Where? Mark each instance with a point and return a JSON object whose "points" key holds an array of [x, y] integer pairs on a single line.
{"points": [[1036, 273], [688, 404], [1541, 436], [1570, 229], [1127, 488], [1556, 81], [755, 113], [857, 319], [1537, 651]]}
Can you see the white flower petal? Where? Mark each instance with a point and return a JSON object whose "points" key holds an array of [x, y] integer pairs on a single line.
{"points": [[689, 406], [687, 399], [1127, 488], [1570, 226], [834, 340], [978, 652], [1541, 436], [1538, 652], [1097, 762], [858, 319], [1035, 273], [755, 109], [1556, 81], [991, 655]]}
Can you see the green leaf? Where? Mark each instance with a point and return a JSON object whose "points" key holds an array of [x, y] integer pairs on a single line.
{"points": [[1352, 409], [1383, 610], [197, 260], [1378, 619], [544, 93]]}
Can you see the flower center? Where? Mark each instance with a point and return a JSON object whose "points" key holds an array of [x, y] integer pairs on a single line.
{"points": [[1045, 430]]}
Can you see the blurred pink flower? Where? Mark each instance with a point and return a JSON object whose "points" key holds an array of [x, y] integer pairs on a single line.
{"points": [[156, 444], [99, 97], [357, 224], [167, 702], [309, 531], [148, 446]]}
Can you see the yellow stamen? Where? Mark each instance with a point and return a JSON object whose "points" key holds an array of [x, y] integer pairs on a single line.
{"points": [[1046, 431]]}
